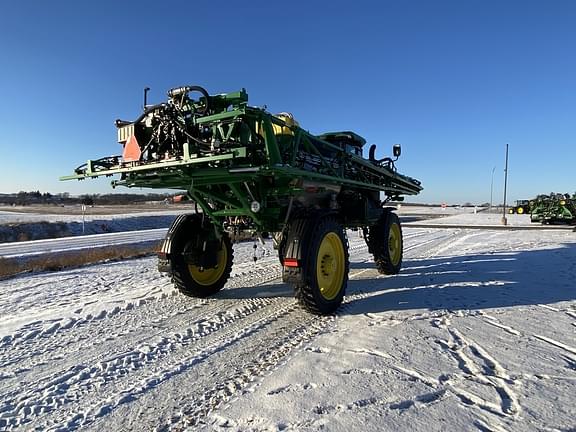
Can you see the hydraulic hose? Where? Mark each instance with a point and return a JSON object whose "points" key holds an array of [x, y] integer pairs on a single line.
{"points": [[179, 91], [147, 111]]}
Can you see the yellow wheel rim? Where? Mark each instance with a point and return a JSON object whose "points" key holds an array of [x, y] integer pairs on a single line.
{"points": [[210, 276], [520, 210], [395, 244], [330, 263]]}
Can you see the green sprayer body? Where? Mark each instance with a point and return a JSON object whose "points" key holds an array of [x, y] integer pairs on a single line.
{"points": [[246, 168]]}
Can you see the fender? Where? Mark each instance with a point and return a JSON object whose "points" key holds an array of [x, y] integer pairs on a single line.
{"points": [[297, 239], [175, 230]]}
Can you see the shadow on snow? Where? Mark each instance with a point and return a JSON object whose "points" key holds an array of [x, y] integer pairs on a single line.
{"points": [[477, 281], [472, 282]]}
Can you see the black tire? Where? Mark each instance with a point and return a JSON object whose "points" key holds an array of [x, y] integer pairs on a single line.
{"points": [[282, 247], [386, 244], [191, 279], [325, 265]]}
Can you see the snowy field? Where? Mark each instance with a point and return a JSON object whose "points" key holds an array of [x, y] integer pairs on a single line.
{"points": [[38, 223], [484, 219], [477, 333], [70, 215]]}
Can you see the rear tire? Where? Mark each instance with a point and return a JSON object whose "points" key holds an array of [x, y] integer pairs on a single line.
{"points": [[194, 280], [282, 247], [324, 265], [386, 244]]}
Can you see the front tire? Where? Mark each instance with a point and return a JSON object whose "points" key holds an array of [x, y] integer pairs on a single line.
{"points": [[385, 242]]}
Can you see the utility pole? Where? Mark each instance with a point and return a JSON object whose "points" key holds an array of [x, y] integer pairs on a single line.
{"points": [[83, 216], [504, 220], [491, 189]]}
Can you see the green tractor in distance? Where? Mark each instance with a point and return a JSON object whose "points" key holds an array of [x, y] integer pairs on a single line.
{"points": [[251, 173], [554, 208], [521, 207]]}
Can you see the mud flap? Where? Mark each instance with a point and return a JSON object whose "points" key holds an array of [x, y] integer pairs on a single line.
{"points": [[294, 250], [297, 239], [175, 230]]}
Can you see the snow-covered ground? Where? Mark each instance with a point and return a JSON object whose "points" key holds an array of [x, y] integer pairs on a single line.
{"points": [[16, 227], [482, 218], [74, 214], [67, 244], [476, 333]]}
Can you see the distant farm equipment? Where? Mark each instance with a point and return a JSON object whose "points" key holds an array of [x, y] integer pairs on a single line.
{"points": [[553, 208], [521, 207]]}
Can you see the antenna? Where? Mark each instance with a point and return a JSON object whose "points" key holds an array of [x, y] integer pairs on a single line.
{"points": [[146, 90]]}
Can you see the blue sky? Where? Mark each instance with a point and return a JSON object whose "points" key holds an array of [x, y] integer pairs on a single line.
{"points": [[452, 81]]}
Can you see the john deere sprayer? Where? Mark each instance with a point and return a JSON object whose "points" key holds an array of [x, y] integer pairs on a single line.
{"points": [[252, 173]]}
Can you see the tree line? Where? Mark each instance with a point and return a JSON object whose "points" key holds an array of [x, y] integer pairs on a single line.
{"points": [[23, 198]]}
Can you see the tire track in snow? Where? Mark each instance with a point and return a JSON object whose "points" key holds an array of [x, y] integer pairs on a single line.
{"points": [[569, 359], [164, 369], [65, 388], [496, 323], [69, 386], [264, 362], [439, 387], [16, 347], [557, 344]]}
